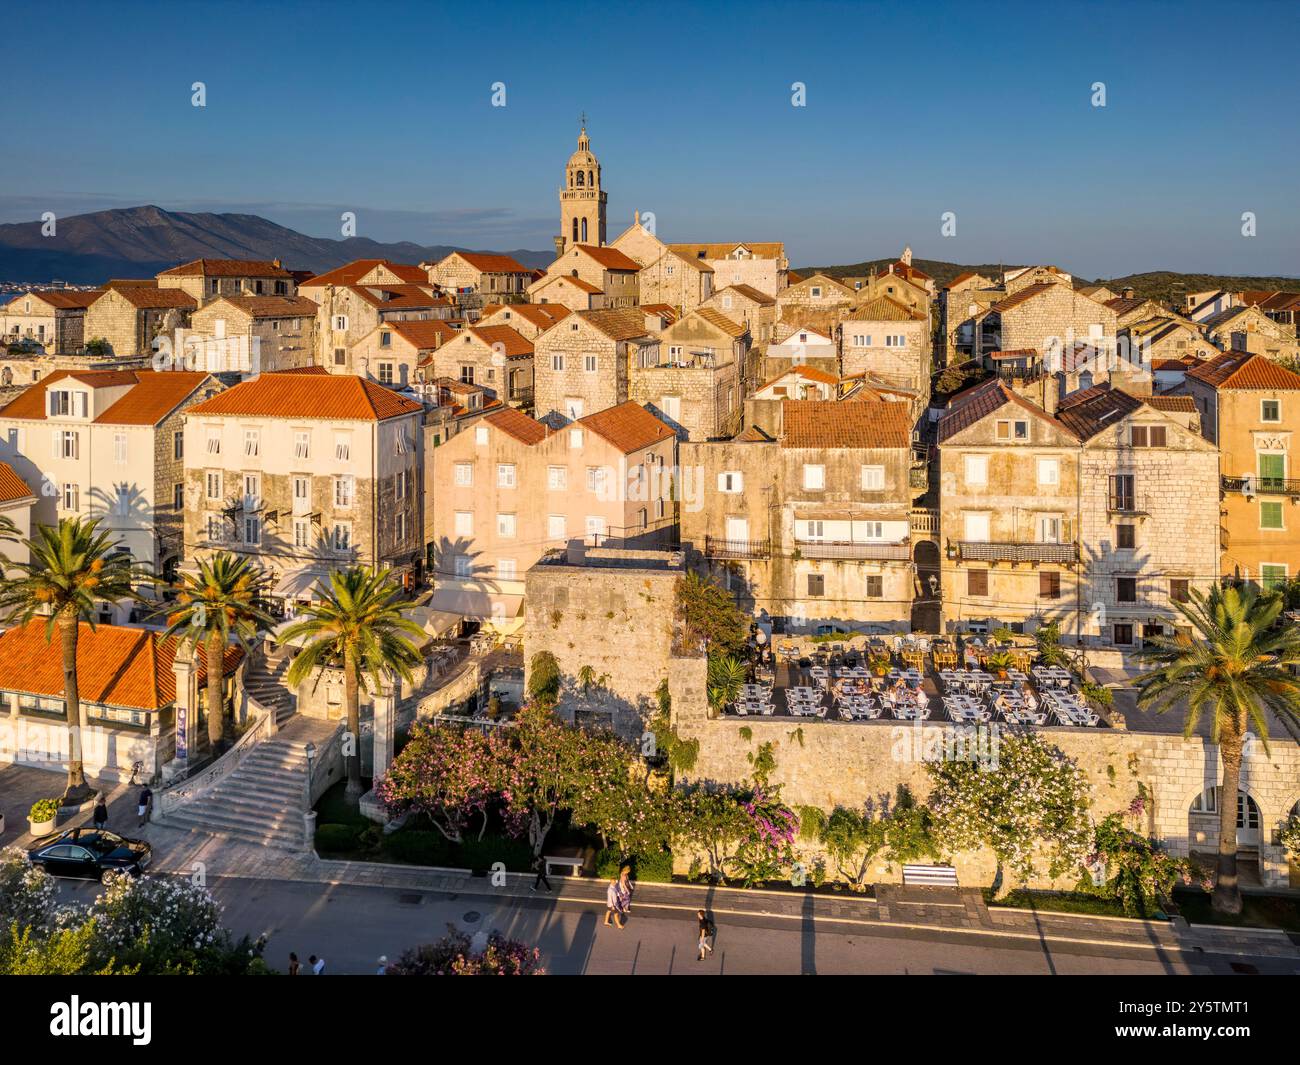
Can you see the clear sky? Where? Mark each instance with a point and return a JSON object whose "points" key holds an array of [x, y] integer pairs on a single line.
{"points": [[912, 110]]}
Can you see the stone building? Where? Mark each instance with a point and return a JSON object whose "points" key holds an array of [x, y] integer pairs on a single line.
{"points": [[304, 472], [206, 279], [1047, 317], [398, 354], [52, 318], [1243, 328], [488, 278], [130, 319], [356, 298], [566, 291], [744, 303], [683, 284], [582, 363], [529, 320], [963, 308], [812, 528], [1250, 409], [608, 269], [496, 358], [693, 378], [762, 265], [108, 444], [884, 338], [583, 202], [249, 334], [16, 502], [817, 294], [794, 346]]}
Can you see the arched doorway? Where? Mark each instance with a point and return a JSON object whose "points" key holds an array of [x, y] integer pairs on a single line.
{"points": [[1203, 823]]}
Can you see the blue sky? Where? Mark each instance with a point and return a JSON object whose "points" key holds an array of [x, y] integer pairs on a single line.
{"points": [[912, 111]]}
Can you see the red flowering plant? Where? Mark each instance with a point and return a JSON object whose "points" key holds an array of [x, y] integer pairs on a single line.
{"points": [[453, 955]]}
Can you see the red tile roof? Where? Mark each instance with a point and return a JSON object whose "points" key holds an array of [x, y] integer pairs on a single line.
{"points": [[629, 427], [883, 309], [12, 487], [811, 373], [152, 397], [967, 408], [1240, 369], [486, 263], [716, 318], [817, 423], [423, 333], [272, 306], [751, 293], [227, 268], [316, 396], [517, 424], [65, 300], [1096, 409], [351, 273], [1023, 296], [623, 323], [116, 665], [542, 315], [394, 297], [1179, 404], [514, 344], [609, 258], [148, 299]]}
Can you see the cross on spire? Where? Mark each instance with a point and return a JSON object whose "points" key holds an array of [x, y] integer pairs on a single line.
{"points": [[583, 119]]}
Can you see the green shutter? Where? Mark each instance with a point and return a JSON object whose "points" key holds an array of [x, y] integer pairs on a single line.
{"points": [[1270, 516], [1272, 467]]}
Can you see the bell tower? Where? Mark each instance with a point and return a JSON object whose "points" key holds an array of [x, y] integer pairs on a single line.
{"points": [[582, 200]]}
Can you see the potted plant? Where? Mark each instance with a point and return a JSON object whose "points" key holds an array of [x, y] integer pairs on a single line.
{"points": [[41, 817], [880, 664], [998, 662]]}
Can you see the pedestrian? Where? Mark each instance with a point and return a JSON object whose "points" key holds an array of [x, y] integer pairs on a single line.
{"points": [[144, 804], [626, 887], [317, 965], [707, 933], [539, 863], [383, 965], [293, 964], [613, 904], [100, 815]]}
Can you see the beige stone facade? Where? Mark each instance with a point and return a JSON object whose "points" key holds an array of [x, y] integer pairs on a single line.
{"points": [[748, 305], [581, 364], [761, 265], [683, 284], [131, 319], [249, 334], [885, 339], [693, 378], [208, 279], [53, 319]]}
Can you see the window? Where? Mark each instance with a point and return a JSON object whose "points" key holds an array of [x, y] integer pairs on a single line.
{"points": [[385, 340], [385, 373], [977, 582], [400, 533], [1180, 590], [816, 585], [178, 496], [252, 491], [1272, 469], [557, 478], [1126, 589], [506, 475], [731, 482], [573, 407], [467, 374], [1270, 410], [215, 533], [1147, 435], [895, 340], [302, 444], [480, 435], [301, 494], [342, 447], [976, 469], [301, 532], [178, 446], [861, 340], [342, 537], [816, 294], [71, 497], [1049, 529], [1126, 537], [67, 444], [506, 526], [1049, 585], [461, 566], [1270, 516], [671, 407], [252, 529], [575, 438], [557, 363], [976, 528], [1122, 495], [1272, 576], [119, 448], [399, 485], [814, 477], [464, 523], [555, 524], [595, 526], [340, 323], [873, 478], [214, 484], [589, 363], [596, 479], [340, 356], [1123, 634], [252, 443], [1013, 430], [343, 491], [874, 587], [1049, 471], [214, 441], [874, 530], [506, 569]]}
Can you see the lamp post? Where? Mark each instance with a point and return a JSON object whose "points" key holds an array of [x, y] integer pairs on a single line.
{"points": [[308, 814]]}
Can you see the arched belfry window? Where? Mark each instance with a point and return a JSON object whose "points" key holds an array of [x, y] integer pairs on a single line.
{"points": [[580, 179], [591, 178], [584, 231], [575, 233]]}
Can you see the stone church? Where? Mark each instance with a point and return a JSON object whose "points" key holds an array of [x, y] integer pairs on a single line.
{"points": [[582, 200]]}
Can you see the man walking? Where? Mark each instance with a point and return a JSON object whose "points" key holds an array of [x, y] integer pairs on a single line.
{"points": [[100, 816], [539, 863], [707, 932], [144, 804]]}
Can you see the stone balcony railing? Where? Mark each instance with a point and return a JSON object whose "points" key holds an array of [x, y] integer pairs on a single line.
{"points": [[842, 549], [984, 551], [736, 549]]}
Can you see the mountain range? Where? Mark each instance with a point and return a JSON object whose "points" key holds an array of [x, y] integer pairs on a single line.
{"points": [[140, 241]]}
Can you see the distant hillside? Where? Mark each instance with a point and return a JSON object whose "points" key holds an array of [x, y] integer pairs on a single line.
{"points": [[140, 241], [1157, 284]]}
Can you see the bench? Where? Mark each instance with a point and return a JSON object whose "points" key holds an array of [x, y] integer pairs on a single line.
{"points": [[572, 863], [930, 875]]}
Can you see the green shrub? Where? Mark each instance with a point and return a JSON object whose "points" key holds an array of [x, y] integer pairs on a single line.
{"points": [[418, 847], [335, 839], [482, 854], [656, 868], [44, 810]]}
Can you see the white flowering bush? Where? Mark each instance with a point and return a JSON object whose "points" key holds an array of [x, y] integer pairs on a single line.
{"points": [[174, 916], [28, 894], [1035, 803]]}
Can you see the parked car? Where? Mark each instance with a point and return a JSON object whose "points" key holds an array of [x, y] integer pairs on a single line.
{"points": [[89, 853]]}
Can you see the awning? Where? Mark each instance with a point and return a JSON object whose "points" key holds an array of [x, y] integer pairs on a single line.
{"points": [[298, 583], [495, 603], [434, 622]]}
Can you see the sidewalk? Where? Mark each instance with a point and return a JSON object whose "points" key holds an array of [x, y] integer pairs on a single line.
{"points": [[899, 910]]}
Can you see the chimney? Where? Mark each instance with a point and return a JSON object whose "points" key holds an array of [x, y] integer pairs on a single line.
{"points": [[1127, 292], [276, 263]]}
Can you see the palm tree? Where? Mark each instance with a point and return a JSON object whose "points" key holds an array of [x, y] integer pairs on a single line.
{"points": [[73, 566], [1236, 664], [221, 601], [358, 625], [726, 677]]}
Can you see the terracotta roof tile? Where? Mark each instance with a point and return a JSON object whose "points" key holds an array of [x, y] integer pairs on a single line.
{"points": [[716, 318], [809, 372], [761, 250], [1241, 369], [12, 486], [816, 423], [751, 293], [272, 306], [1093, 410], [155, 298], [153, 394], [1178, 404], [1023, 296], [514, 344], [967, 408], [65, 300], [517, 424], [883, 309], [315, 396], [623, 323], [629, 427], [227, 268], [116, 665], [352, 273], [423, 333], [487, 263], [609, 258], [542, 315]]}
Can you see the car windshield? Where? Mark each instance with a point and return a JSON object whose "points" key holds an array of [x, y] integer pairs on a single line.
{"points": [[102, 842]]}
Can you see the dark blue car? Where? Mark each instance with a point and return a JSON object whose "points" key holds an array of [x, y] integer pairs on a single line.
{"points": [[89, 853]]}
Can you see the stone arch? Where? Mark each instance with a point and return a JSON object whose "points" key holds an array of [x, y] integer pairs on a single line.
{"points": [[1253, 832], [581, 179]]}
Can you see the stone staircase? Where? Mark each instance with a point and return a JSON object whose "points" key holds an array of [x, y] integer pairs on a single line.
{"points": [[262, 800], [264, 683]]}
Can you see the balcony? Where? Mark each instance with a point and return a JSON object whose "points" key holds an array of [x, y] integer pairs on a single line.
{"points": [[1263, 486], [858, 551], [981, 551], [918, 477], [521, 396], [925, 520], [736, 549], [1125, 504]]}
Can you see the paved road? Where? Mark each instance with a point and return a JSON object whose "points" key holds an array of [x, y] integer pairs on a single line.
{"points": [[352, 926]]}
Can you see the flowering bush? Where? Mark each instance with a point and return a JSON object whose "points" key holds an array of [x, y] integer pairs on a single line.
{"points": [[1290, 836], [1140, 875], [452, 956], [28, 894], [168, 920]]}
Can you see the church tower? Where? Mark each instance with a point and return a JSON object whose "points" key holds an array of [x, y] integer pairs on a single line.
{"points": [[582, 200]]}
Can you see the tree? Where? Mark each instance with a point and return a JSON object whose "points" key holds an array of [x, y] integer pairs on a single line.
{"points": [[712, 824], [1035, 798], [1236, 664], [73, 567], [453, 956], [28, 894], [1140, 875], [544, 678], [222, 601], [726, 676], [357, 625], [901, 831], [709, 616]]}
